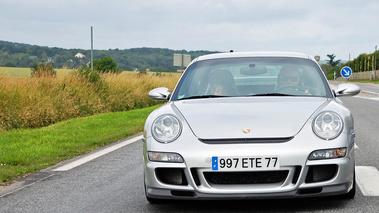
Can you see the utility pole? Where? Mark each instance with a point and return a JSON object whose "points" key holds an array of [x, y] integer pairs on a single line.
{"points": [[91, 49], [375, 62]]}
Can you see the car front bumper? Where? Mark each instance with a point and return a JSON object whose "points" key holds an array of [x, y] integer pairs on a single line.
{"points": [[296, 177]]}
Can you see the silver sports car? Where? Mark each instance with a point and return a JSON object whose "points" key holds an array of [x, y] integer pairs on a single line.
{"points": [[250, 125]]}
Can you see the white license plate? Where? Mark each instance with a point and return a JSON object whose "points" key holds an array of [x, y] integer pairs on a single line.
{"points": [[244, 163]]}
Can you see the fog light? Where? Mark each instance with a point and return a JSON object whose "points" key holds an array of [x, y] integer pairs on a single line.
{"points": [[165, 157], [328, 154]]}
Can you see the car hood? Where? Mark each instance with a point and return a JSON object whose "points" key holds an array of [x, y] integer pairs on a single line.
{"points": [[266, 117]]}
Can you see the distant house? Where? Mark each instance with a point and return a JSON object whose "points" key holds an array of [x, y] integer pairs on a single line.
{"points": [[79, 55]]}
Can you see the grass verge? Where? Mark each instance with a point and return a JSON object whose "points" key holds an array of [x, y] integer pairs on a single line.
{"points": [[359, 81], [366, 81], [30, 150]]}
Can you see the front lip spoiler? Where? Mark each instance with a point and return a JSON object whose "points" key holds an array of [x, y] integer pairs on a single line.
{"points": [[326, 190], [245, 140]]}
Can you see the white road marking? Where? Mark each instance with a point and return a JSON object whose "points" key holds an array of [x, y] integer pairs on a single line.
{"points": [[368, 95], [95, 155], [367, 178], [369, 98], [371, 93]]}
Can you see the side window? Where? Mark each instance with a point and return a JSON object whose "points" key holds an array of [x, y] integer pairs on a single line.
{"points": [[195, 84]]}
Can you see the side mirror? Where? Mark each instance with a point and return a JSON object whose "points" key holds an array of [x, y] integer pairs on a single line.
{"points": [[160, 94], [347, 90]]}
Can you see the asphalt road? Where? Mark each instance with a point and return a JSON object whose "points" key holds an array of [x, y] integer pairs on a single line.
{"points": [[365, 87], [113, 182]]}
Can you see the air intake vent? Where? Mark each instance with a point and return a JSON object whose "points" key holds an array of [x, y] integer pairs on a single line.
{"points": [[246, 177], [171, 176], [321, 173]]}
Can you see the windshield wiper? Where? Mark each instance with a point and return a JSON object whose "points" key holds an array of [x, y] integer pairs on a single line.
{"points": [[271, 94], [204, 96], [221, 96]]}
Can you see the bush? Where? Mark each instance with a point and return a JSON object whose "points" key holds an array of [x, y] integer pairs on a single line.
{"points": [[43, 70], [330, 73], [105, 65], [89, 75]]}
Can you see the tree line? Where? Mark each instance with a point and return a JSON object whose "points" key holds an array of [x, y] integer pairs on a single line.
{"points": [[364, 62], [156, 59]]}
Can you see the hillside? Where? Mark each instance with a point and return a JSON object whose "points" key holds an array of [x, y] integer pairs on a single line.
{"points": [[25, 55]]}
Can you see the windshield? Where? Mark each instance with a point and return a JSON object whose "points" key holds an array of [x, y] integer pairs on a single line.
{"points": [[268, 76]]}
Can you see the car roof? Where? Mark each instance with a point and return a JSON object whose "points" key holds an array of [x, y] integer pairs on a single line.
{"points": [[253, 54]]}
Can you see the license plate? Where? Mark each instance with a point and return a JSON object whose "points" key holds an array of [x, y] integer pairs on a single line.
{"points": [[244, 163]]}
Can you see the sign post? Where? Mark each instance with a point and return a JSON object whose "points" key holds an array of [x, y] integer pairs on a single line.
{"points": [[91, 49], [181, 60]]}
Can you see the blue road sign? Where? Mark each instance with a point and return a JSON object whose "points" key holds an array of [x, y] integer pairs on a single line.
{"points": [[346, 72]]}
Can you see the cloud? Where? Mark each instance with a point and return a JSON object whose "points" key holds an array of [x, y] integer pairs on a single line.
{"points": [[322, 27]]}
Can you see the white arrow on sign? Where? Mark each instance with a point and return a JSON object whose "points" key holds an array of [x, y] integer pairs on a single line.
{"points": [[347, 72]]}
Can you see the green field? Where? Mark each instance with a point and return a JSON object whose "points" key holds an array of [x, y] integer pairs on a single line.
{"points": [[20, 72]]}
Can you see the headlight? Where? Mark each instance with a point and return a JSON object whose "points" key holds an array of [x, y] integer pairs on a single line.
{"points": [[327, 125], [327, 154], [166, 128]]}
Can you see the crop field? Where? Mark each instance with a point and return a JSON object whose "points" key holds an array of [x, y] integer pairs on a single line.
{"points": [[27, 102], [8, 72]]}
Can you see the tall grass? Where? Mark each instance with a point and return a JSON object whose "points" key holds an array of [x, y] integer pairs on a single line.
{"points": [[38, 102]]}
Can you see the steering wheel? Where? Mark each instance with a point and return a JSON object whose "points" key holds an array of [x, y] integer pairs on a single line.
{"points": [[289, 86]]}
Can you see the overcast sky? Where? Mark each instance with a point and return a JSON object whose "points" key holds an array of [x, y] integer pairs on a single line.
{"points": [[320, 27]]}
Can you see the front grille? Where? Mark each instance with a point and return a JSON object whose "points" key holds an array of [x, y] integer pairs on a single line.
{"points": [[246, 177]]}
